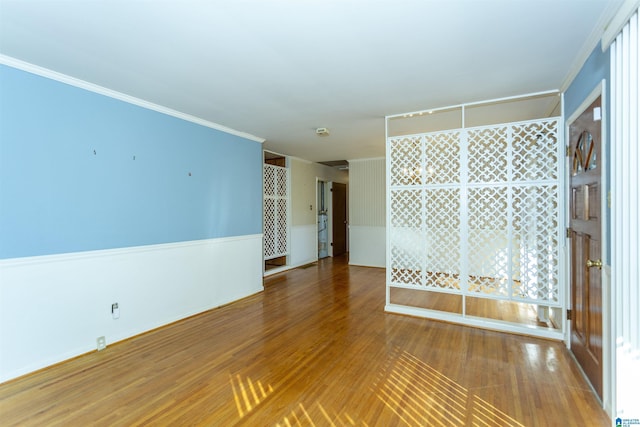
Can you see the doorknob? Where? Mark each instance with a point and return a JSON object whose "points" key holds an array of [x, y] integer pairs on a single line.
{"points": [[594, 263]]}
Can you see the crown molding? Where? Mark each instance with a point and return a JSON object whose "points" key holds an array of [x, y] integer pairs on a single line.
{"points": [[72, 81], [619, 20], [590, 44]]}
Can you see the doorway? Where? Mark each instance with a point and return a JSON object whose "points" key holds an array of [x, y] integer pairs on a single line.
{"points": [[585, 221], [339, 218], [323, 218]]}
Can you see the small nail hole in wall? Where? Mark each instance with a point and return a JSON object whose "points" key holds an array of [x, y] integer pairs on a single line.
{"points": [[189, 173]]}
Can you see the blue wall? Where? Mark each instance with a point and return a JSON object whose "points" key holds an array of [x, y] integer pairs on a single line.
{"points": [[596, 68], [81, 171]]}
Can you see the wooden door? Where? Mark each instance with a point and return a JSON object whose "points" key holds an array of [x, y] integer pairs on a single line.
{"points": [[585, 229], [339, 218]]}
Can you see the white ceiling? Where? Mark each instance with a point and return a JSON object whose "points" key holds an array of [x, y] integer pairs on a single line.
{"points": [[279, 69]]}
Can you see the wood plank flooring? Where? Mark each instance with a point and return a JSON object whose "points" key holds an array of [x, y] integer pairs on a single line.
{"points": [[314, 349]]}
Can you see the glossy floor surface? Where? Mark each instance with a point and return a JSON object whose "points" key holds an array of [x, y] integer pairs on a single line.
{"points": [[314, 349]]}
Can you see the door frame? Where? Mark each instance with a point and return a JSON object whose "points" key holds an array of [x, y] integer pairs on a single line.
{"points": [[608, 347]]}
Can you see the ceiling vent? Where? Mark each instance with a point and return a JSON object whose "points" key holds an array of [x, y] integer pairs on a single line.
{"points": [[322, 132]]}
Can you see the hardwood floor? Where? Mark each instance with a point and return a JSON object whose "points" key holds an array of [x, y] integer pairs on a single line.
{"points": [[314, 349]]}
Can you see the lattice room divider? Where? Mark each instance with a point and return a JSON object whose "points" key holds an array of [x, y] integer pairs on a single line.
{"points": [[476, 212], [276, 211]]}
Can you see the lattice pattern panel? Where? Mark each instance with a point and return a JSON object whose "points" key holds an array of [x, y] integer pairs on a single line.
{"points": [[443, 238], [442, 158], [282, 182], [276, 211], [406, 161], [408, 246], [269, 180], [535, 151], [488, 154], [488, 244], [270, 241], [535, 260], [504, 198]]}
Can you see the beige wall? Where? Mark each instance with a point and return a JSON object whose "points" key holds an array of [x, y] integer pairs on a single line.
{"points": [[303, 188]]}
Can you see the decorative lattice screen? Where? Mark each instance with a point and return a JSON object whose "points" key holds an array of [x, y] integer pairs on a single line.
{"points": [[276, 211], [476, 212]]}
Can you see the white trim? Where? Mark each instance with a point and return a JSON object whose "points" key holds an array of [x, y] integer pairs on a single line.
{"points": [[130, 250], [619, 20], [467, 104], [63, 78], [625, 209], [589, 44]]}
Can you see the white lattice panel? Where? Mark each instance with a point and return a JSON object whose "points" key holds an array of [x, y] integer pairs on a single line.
{"points": [[276, 211], [442, 158], [443, 237], [406, 161], [282, 182], [488, 154], [535, 260], [283, 226], [487, 241], [269, 180], [270, 242], [535, 154], [407, 241], [476, 211]]}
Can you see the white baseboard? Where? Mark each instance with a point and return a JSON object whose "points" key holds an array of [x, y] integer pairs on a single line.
{"points": [[54, 307]]}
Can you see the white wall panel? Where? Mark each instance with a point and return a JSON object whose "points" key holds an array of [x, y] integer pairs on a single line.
{"points": [[367, 212], [304, 245], [367, 205], [367, 246], [54, 307], [625, 209]]}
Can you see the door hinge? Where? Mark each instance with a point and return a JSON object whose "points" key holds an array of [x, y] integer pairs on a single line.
{"points": [[568, 151], [568, 232], [569, 312]]}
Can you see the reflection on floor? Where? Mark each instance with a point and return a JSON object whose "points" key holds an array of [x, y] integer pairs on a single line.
{"points": [[503, 310]]}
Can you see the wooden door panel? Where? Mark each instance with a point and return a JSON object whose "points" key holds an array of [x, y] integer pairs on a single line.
{"points": [[593, 210], [578, 295]]}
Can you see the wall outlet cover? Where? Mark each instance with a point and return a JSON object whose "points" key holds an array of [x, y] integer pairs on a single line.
{"points": [[101, 343]]}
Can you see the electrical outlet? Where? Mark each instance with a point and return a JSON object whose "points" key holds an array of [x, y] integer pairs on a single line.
{"points": [[101, 343]]}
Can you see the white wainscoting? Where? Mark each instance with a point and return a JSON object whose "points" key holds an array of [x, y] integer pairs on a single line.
{"points": [[53, 308], [367, 246], [304, 245]]}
